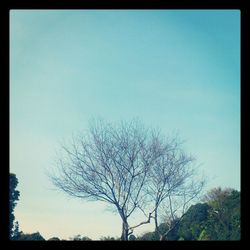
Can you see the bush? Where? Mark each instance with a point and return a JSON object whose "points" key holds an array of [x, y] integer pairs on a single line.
{"points": [[54, 238], [34, 236]]}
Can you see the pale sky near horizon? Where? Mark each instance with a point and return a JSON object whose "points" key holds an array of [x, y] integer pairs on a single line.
{"points": [[178, 70]]}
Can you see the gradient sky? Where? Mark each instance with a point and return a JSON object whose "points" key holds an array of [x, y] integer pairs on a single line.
{"points": [[176, 70]]}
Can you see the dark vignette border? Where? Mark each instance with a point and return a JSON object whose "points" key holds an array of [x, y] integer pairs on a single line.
{"points": [[122, 4]]}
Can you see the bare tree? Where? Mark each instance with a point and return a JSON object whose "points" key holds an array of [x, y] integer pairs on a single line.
{"points": [[109, 164], [173, 183], [128, 166]]}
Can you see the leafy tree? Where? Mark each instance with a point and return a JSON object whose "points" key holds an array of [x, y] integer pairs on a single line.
{"points": [[224, 214], [217, 219], [194, 222], [13, 198], [216, 198]]}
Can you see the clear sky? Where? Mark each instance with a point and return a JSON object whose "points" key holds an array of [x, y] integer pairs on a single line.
{"points": [[176, 70]]}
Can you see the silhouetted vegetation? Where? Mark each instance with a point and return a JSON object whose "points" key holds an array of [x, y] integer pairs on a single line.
{"points": [[80, 238], [54, 239], [109, 238], [217, 218], [13, 198], [33, 236]]}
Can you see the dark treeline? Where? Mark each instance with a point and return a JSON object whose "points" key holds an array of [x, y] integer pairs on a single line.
{"points": [[217, 217]]}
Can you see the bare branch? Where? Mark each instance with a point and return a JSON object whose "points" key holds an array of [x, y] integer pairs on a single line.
{"points": [[130, 167]]}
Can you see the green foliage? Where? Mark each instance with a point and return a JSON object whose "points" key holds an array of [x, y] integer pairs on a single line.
{"points": [[218, 219], [224, 216], [13, 198], [194, 222], [203, 235]]}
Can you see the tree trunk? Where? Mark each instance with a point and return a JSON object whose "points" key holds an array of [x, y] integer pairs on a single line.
{"points": [[124, 235], [159, 234]]}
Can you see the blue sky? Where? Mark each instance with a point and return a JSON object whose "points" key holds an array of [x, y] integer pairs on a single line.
{"points": [[178, 70]]}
